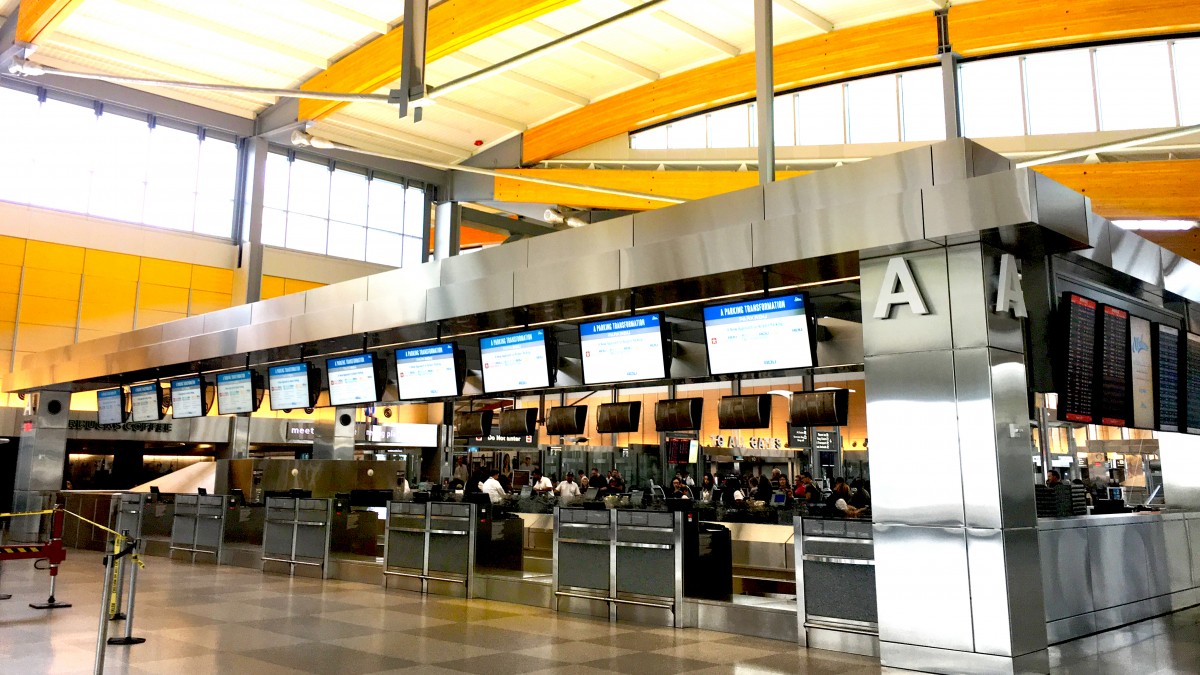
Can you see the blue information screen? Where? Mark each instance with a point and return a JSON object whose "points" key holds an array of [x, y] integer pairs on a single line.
{"points": [[352, 379], [754, 335], [426, 372], [623, 349], [110, 406], [514, 361], [187, 398], [289, 386], [235, 392], [144, 403]]}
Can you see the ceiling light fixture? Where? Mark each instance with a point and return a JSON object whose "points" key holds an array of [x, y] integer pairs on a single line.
{"points": [[1153, 225]]}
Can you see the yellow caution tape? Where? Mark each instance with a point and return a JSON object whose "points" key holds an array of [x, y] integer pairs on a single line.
{"points": [[27, 513], [114, 586], [95, 524]]}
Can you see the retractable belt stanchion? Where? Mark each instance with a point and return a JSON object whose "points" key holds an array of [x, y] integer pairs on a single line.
{"points": [[108, 597], [133, 564]]}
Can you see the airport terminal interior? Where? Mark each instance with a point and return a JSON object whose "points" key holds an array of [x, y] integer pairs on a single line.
{"points": [[599, 336]]}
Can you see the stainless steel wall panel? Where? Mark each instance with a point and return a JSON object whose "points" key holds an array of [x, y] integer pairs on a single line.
{"points": [[1181, 276], [1064, 556], [405, 282], [583, 275], [212, 345], [489, 262], [140, 337], [389, 312], [1177, 555], [933, 660], [961, 158], [906, 331], [323, 324], [470, 297], [567, 245], [1101, 247], [849, 183], [911, 396], [264, 335], [712, 252], [184, 328], [40, 459], [713, 213], [282, 307], [895, 219], [912, 565], [1135, 256], [1180, 457], [1120, 557], [168, 353], [341, 294], [991, 615], [983, 203], [225, 319], [973, 284]]}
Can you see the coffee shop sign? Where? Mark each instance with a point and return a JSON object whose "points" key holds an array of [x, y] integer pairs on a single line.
{"points": [[88, 425], [752, 443]]}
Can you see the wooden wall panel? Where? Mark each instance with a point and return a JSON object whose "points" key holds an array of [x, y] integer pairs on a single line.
{"points": [[1166, 189], [37, 19]]}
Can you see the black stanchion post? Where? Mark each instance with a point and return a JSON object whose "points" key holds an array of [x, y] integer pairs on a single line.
{"points": [[128, 639]]}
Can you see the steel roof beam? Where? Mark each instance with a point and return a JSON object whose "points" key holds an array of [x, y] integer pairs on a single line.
{"points": [[806, 15]]}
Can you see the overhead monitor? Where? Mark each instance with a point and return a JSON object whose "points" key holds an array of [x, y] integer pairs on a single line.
{"points": [[292, 386], [236, 392], [624, 349], [1115, 404], [758, 335], [146, 402], [1077, 358], [432, 371], [1166, 377], [1141, 357], [352, 379], [1192, 383], [515, 361], [187, 398], [110, 406]]}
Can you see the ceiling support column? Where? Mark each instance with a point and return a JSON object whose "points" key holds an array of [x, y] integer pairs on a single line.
{"points": [[764, 72]]}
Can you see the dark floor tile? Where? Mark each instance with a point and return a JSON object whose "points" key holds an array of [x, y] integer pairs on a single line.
{"points": [[328, 659], [311, 627], [500, 663], [482, 636], [649, 664]]}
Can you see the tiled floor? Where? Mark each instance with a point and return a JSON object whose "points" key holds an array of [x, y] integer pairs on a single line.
{"points": [[204, 619]]}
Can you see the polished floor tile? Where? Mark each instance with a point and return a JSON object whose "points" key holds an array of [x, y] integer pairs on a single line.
{"points": [[199, 619]]}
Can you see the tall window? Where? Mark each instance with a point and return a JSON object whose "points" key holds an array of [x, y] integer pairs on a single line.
{"points": [[115, 165]]}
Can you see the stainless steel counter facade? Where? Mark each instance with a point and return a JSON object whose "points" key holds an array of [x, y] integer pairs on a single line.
{"points": [[1100, 572]]}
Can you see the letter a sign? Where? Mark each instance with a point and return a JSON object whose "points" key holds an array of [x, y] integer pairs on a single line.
{"points": [[899, 288], [1009, 294]]}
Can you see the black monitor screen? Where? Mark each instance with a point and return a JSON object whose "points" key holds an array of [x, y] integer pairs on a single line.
{"points": [[1076, 395], [1166, 377], [1115, 398]]}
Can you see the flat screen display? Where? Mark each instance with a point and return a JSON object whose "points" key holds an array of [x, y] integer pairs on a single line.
{"points": [[1141, 358], [289, 386], [187, 398], [110, 406], [1166, 377], [352, 379], [1192, 388], [515, 361], [1115, 391], [235, 392], [426, 372], [762, 334], [1076, 398], [145, 402], [623, 349]]}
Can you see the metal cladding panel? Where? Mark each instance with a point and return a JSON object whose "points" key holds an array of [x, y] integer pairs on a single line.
{"points": [[470, 297], [1180, 455], [911, 396], [1101, 247], [1181, 276], [1178, 555], [140, 337], [1059, 208], [323, 324], [402, 283], [41, 459], [340, 294], [389, 312], [1135, 256], [282, 307], [582, 275], [564, 246], [1064, 555], [701, 215], [894, 219], [974, 279], [225, 319], [849, 183], [184, 328], [265, 335], [700, 254], [983, 203], [906, 331], [213, 345], [923, 586], [961, 158], [489, 262]]}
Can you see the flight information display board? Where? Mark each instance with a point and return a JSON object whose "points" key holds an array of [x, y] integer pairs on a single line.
{"points": [[110, 406], [187, 398], [235, 392], [515, 361], [1114, 354], [1141, 359], [1192, 388], [623, 349], [426, 372], [289, 386], [755, 335], [1166, 377], [145, 402], [352, 380], [1077, 395]]}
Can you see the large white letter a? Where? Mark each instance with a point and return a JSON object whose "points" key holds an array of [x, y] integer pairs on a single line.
{"points": [[899, 288]]}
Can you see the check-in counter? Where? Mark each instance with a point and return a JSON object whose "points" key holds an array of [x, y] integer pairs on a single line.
{"points": [[95, 505], [1100, 572], [835, 585]]}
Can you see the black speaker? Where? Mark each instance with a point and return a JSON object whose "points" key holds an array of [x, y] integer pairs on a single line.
{"points": [[473, 424], [678, 414], [745, 412], [617, 418], [566, 420], [829, 408], [518, 422]]}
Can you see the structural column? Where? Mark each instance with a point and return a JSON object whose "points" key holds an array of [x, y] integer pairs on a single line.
{"points": [[447, 230], [957, 564], [247, 278], [41, 460]]}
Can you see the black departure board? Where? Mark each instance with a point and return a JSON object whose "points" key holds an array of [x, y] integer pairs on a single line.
{"points": [[1116, 401], [1192, 387], [1166, 377], [1077, 393]]}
